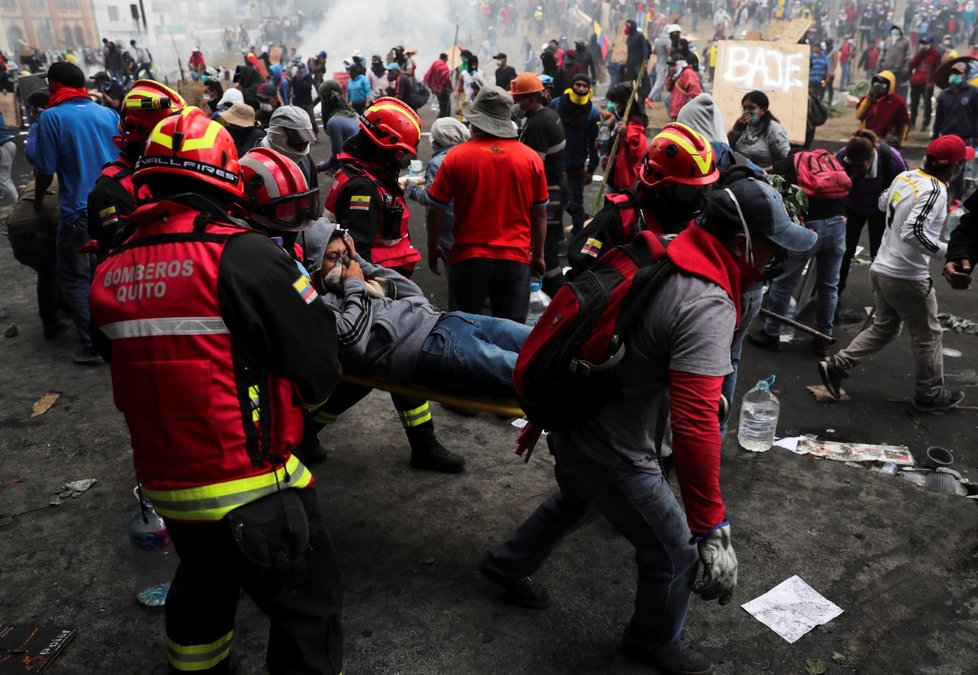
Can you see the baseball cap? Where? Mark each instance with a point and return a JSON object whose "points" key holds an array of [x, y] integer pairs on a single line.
{"points": [[948, 150], [500, 55], [960, 68], [926, 40], [292, 117], [758, 206]]}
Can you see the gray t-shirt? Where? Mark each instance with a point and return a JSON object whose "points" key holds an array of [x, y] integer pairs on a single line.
{"points": [[688, 327]]}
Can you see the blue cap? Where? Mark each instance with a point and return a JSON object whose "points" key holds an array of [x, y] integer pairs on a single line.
{"points": [[321, 55], [754, 204]]}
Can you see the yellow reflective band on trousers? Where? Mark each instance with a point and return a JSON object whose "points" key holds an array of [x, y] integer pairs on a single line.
{"points": [[416, 417], [255, 403], [191, 658], [213, 502]]}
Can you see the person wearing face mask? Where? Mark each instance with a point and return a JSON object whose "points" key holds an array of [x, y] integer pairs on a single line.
{"points": [[757, 134], [903, 292], [581, 122], [884, 112], [543, 132], [505, 73], [608, 464], [674, 181], [112, 92], [872, 165], [339, 121], [290, 132], [957, 113], [895, 58], [683, 83], [948, 52], [922, 66], [634, 143]]}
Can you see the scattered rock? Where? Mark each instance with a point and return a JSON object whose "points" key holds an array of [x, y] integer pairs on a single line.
{"points": [[11, 331]]}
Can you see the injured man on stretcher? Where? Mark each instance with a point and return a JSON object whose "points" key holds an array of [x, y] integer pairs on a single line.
{"points": [[388, 329]]}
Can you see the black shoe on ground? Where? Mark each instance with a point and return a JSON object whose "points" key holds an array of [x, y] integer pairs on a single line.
{"points": [[434, 457], [820, 347], [524, 592], [831, 376], [51, 332], [759, 338], [676, 658], [86, 354], [944, 400]]}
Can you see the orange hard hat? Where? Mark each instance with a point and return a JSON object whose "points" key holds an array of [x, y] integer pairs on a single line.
{"points": [[525, 83]]}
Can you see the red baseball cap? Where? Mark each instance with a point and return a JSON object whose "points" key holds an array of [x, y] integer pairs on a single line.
{"points": [[949, 150]]}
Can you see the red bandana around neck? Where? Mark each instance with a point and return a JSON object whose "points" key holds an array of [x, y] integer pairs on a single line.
{"points": [[61, 93]]}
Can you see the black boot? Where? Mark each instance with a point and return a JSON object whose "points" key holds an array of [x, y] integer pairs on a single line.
{"points": [[427, 453]]}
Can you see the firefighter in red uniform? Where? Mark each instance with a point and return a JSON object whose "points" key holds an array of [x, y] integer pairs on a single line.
{"points": [[214, 338], [366, 200], [113, 198], [673, 185]]}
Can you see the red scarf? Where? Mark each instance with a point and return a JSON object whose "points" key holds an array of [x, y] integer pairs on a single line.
{"points": [[698, 252], [61, 93]]}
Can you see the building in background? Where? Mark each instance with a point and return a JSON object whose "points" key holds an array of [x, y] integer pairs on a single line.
{"points": [[46, 25]]}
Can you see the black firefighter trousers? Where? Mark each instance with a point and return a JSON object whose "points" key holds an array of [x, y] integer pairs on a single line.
{"points": [[303, 602]]}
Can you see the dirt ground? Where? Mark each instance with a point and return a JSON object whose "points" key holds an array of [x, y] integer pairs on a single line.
{"points": [[901, 561]]}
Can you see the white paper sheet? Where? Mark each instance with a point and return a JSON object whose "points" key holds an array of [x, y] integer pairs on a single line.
{"points": [[790, 443], [792, 608]]}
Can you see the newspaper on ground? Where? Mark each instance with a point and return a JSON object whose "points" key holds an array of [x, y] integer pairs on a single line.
{"points": [[792, 608], [856, 452]]}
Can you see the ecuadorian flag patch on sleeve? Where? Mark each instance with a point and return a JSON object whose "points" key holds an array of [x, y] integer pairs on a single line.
{"points": [[305, 289], [360, 203], [592, 247]]}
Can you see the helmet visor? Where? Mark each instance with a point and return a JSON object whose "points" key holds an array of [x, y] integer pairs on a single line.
{"points": [[293, 211]]}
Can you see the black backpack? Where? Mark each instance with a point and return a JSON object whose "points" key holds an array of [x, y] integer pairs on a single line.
{"points": [[419, 95], [568, 367]]}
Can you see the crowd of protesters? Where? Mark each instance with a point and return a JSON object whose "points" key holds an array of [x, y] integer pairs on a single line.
{"points": [[222, 206]]}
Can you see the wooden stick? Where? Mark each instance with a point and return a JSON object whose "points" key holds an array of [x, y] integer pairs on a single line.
{"points": [[614, 145], [800, 326]]}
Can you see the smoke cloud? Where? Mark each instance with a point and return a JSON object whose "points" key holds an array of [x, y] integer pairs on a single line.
{"points": [[373, 28]]}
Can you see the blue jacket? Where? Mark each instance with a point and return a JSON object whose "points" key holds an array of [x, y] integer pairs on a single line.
{"points": [[358, 89], [581, 142]]}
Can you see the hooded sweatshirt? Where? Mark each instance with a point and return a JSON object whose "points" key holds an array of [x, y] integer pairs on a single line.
{"points": [[382, 337], [702, 115], [887, 115], [581, 125]]}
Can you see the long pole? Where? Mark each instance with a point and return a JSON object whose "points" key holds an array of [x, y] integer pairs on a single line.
{"points": [[800, 326], [179, 60], [617, 141]]}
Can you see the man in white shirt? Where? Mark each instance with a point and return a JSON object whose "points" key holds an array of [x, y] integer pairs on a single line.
{"points": [[915, 206]]}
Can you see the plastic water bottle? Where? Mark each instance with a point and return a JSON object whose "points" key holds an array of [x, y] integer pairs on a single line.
{"points": [[415, 168], [787, 331], [759, 413], [538, 301], [153, 556]]}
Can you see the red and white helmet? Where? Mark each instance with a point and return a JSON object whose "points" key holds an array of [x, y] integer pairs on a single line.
{"points": [[276, 194], [146, 104], [392, 125], [191, 145]]}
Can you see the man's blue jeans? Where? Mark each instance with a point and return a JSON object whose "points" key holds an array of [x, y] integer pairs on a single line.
{"points": [[642, 508], [471, 354], [827, 251], [75, 273]]}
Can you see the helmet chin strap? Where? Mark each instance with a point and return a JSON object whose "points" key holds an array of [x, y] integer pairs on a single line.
{"points": [[743, 224]]}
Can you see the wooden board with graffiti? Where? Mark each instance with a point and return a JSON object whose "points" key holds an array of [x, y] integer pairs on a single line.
{"points": [[779, 70]]}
